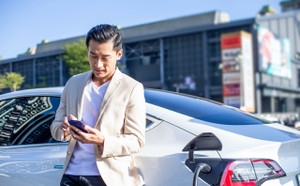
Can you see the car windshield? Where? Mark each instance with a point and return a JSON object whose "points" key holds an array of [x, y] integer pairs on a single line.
{"points": [[203, 109]]}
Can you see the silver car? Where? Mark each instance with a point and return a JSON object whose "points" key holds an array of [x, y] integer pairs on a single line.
{"points": [[189, 141]]}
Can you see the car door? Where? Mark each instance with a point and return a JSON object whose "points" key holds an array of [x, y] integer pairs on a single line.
{"points": [[28, 153]]}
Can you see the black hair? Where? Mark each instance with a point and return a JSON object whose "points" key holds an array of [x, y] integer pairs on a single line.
{"points": [[103, 33]]}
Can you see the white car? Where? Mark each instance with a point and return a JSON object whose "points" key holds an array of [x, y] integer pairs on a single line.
{"points": [[189, 141]]}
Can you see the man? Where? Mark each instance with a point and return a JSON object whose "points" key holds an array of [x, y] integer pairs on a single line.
{"points": [[112, 107]]}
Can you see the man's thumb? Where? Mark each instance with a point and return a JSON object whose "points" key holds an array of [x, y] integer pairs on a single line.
{"points": [[71, 117]]}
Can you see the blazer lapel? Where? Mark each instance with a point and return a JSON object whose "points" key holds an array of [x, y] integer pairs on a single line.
{"points": [[110, 90], [81, 85]]}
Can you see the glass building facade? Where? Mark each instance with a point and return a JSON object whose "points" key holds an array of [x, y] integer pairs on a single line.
{"points": [[25, 68], [47, 71], [38, 70], [183, 58], [173, 62]]}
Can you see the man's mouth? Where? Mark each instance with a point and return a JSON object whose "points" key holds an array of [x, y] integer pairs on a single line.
{"points": [[99, 70]]}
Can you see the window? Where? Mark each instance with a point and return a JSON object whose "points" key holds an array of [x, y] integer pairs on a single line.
{"points": [[25, 68], [149, 122], [152, 122], [183, 57], [47, 76], [143, 61], [4, 68], [202, 109], [27, 120]]}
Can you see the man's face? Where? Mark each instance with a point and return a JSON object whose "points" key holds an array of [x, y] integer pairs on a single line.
{"points": [[103, 59]]}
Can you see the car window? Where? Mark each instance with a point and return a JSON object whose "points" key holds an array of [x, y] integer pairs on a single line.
{"points": [[27, 120], [149, 122], [152, 122], [205, 110]]}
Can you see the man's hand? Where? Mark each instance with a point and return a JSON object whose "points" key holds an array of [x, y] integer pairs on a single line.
{"points": [[93, 136], [65, 126]]}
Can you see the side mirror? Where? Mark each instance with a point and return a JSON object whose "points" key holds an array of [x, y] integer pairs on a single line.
{"points": [[204, 141]]}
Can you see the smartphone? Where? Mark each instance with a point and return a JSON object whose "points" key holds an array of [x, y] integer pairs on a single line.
{"points": [[78, 124]]}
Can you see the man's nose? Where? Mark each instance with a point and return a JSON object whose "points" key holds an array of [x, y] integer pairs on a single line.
{"points": [[99, 63]]}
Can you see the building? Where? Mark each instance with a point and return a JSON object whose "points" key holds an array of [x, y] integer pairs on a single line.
{"points": [[290, 5], [277, 93], [181, 54]]}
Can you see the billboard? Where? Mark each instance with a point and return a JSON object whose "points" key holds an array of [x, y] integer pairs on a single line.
{"points": [[230, 53], [231, 90], [231, 42], [232, 101], [274, 53], [231, 78], [238, 71], [230, 66]]}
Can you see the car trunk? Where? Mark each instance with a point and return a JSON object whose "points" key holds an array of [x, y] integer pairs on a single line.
{"points": [[263, 141], [273, 141]]}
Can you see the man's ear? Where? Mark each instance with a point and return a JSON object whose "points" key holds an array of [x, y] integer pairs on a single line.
{"points": [[119, 54]]}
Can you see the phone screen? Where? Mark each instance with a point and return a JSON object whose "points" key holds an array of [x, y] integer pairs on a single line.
{"points": [[78, 124]]}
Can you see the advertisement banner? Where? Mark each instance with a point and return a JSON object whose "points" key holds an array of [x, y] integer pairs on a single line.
{"points": [[238, 70], [274, 53], [230, 66], [231, 42], [234, 101], [231, 78], [230, 54], [231, 90]]}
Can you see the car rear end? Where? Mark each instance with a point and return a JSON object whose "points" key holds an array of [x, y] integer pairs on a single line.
{"points": [[266, 155]]}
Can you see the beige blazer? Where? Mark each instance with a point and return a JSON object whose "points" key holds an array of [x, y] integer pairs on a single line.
{"points": [[121, 119]]}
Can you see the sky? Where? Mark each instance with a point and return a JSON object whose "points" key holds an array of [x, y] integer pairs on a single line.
{"points": [[25, 23]]}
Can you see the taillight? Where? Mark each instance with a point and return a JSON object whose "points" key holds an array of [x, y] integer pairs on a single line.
{"points": [[250, 172]]}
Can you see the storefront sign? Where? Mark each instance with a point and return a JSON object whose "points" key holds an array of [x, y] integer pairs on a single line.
{"points": [[234, 101], [230, 54], [231, 66], [231, 90], [231, 78], [238, 73], [231, 42]]}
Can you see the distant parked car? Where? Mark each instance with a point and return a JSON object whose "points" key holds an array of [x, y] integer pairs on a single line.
{"points": [[189, 140]]}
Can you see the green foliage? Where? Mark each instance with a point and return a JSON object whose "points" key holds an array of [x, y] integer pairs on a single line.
{"points": [[11, 80], [14, 81], [2, 82], [76, 58]]}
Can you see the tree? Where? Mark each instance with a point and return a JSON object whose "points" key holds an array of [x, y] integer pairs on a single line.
{"points": [[2, 82], [13, 80], [76, 58]]}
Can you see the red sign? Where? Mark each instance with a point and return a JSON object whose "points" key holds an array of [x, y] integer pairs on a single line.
{"points": [[231, 42], [231, 90]]}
